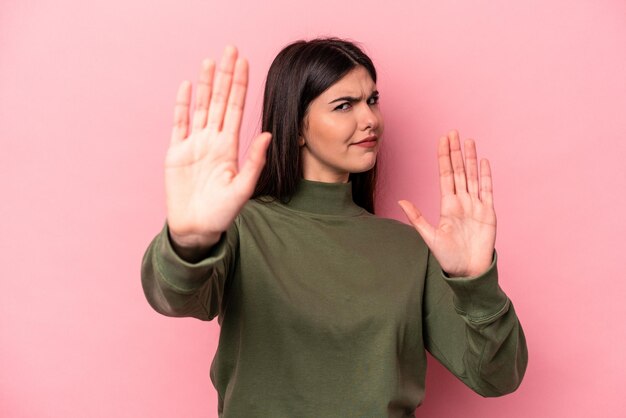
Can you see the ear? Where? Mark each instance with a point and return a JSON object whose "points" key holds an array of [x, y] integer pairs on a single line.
{"points": [[301, 141]]}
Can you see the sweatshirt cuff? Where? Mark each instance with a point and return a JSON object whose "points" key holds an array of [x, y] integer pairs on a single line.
{"points": [[479, 298], [182, 275]]}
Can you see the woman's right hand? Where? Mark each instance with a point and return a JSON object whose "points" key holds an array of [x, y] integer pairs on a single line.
{"points": [[204, 187]]}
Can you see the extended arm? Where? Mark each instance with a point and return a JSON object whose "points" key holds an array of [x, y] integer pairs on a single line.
{"points": [[470, 324], [186, 268]]}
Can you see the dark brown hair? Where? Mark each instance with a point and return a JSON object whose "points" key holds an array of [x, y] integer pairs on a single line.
{"points": [[300, 72]]}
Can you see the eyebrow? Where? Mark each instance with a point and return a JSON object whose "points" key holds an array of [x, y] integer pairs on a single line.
{"points": [[351, 99]]}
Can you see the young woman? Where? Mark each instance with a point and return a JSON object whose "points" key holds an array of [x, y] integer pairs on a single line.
{"points": [[325, 309]]}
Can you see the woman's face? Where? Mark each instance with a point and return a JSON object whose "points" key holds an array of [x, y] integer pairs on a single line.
{"points": [[342, 129]]}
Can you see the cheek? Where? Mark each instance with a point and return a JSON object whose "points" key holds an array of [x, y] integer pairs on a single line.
{"points": [[332, 130]]}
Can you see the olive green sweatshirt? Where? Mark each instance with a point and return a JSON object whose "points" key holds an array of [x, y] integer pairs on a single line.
{"points": [[326, 311]]}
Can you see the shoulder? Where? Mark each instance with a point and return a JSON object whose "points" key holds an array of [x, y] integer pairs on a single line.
{"points": [[256, 207], [401, 231], [262, 210]]}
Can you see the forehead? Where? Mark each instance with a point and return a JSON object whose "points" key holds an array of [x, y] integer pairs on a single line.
{"points": [[355, 83]]}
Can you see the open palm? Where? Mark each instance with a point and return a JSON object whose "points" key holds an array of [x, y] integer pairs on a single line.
{"points": [[464, 240], [205, 189]]}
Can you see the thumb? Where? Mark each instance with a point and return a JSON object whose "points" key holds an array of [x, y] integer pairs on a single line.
{"points": [[418, 221], [255, 160]]}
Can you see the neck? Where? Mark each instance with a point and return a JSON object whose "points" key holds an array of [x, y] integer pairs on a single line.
{"points": [[324, 198], [328, 177], [311, 170]]}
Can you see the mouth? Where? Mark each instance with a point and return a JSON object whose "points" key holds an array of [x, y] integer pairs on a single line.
{"points": [[368, 141]]}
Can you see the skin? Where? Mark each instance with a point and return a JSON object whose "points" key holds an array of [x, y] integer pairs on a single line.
{"points": [[206, 188], [464, 239], [344, 114]]}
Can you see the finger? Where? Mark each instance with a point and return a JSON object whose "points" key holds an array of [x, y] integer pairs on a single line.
{"points": [[221, 88], [181, 112], [471, 165], [203, 95], [249, 174], [237, 98], [486, 185], [456, 156], [446, 179], [426, 230]]}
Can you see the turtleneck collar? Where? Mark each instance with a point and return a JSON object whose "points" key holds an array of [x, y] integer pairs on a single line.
{"points": [[324, 198]]}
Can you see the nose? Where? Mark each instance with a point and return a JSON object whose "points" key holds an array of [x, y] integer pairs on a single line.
{"points": [[369, 119]]}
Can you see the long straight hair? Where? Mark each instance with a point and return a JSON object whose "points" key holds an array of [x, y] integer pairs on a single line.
{"points": [[300, 72]]}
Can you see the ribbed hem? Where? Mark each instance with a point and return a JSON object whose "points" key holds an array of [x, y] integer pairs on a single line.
{"points": [[182, 275], [480, 299]]}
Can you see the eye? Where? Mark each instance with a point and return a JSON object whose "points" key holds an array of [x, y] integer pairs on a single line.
{"points": [[343, 106], [373, 100]]}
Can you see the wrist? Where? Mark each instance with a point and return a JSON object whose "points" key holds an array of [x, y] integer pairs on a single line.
{"points": [[478, 269], [193, 247]]}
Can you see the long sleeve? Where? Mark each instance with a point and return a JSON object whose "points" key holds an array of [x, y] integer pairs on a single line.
{"points": [[472, 329], [174, 287]]}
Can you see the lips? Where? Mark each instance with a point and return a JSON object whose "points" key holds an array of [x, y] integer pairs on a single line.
{"points": [[368, 141]]}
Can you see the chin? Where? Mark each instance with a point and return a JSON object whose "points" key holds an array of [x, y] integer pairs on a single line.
{"points": [[361, 168]]}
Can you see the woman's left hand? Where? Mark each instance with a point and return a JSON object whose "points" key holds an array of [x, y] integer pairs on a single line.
{"points": [[463, 242]]}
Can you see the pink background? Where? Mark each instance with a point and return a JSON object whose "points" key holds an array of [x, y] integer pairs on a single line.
{"points": [[86, 96]]}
